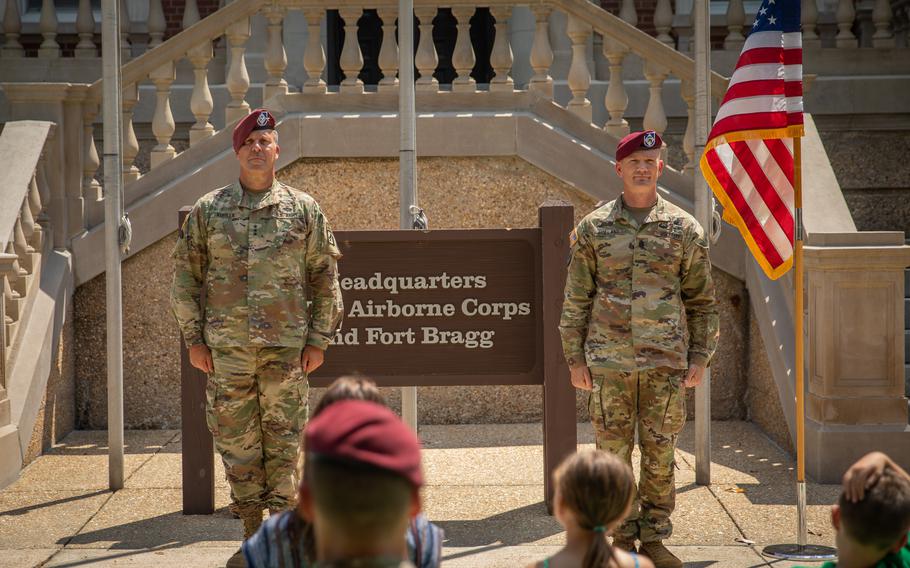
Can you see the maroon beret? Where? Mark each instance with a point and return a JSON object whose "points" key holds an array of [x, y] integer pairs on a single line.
{"points": [[644, 140], [367, 433], [259, 119]]}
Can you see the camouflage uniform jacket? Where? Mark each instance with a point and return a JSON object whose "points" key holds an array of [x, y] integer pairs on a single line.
{"points": [[256, 254], [639, 297]]}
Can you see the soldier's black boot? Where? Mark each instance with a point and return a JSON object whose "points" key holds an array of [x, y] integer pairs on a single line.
{"points": [[659, 555]]}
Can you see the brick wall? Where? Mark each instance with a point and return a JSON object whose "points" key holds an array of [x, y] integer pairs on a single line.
{"points": [[645, 9], [173, 13]]}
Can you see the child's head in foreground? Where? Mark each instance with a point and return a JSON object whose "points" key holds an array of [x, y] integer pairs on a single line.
{"points": [[878, 523]]}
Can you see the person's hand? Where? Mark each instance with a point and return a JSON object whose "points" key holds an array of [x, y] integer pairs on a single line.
{"points": [[201, 358], [311, 358], [864, 474], [694, 376], [581, 377]]}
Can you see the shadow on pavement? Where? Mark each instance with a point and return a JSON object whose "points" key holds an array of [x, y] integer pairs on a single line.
{"points": [[170, 530], [524, 525], [36, 506]]}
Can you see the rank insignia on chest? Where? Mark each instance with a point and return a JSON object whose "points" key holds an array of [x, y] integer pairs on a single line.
{"points": [[677, 228]]}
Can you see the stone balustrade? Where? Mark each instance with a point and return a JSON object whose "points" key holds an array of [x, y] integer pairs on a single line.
{"points": [[464, 67], [24, 228], [231, 24], [880, 23]]}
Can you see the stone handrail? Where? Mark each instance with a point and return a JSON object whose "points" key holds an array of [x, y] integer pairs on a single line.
{"points": [[647, 47], [176, 47], [24, 228]]}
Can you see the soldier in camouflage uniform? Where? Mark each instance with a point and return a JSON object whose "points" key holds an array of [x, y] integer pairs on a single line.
{"points": [[639, 324], [265, 255]]}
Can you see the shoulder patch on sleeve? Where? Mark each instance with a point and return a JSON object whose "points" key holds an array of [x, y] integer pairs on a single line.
{"points": [[573, 237]]}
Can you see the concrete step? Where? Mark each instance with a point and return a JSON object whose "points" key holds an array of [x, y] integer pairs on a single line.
{"points": [[4, 408], [10, 458]]}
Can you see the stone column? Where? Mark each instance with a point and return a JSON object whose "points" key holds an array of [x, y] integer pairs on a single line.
{"points": [[855, 350]]}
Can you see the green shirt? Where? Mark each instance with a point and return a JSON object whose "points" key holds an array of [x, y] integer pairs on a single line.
{"points": [[899, 559]]}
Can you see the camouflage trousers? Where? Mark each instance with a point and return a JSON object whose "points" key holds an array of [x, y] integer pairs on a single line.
{"points": [[256, 405], [655, 401]]}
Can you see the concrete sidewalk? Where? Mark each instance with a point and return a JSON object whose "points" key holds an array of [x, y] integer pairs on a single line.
{"points": [[485, 489]]}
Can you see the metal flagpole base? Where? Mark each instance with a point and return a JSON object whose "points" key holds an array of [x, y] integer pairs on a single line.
{"points": [[802, 553]]}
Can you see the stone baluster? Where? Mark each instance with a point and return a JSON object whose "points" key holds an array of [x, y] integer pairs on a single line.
{"points": [[628, 13], [17, 276], [426, 59], [44, 193], [579, 78], [85, 27], [125, 49], [314, 57], [130, 143], [29, 227], [35, 208], [201, 103], [190, 14], [351, 60], [541, 53], [655, 116], [809, 17], [845, 15], [388, 53], [238, 79], [91, 189], [881, 18], [463, 58], [163, 120], [157, 25], [48, 25], [688, 95], [12, 26], [23, 249], [663, 21], [12, 299], [616, 100], [501, 56], [276, 60], [736, 19]]}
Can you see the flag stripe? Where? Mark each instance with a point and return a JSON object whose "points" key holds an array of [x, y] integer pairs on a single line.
{"points": [[745, 212], [762, 167], [756, 88], [783, 157], [750, 105], [753, 186]]}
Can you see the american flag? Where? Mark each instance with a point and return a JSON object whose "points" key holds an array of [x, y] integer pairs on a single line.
{"points": [[748, 160]]}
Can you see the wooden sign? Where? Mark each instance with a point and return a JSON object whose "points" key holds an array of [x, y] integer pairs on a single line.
{"points": [[452, 307]]}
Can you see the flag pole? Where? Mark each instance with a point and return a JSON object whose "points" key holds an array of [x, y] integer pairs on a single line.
{"points": [[802, 529], [407, 156], [801, 551]]}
